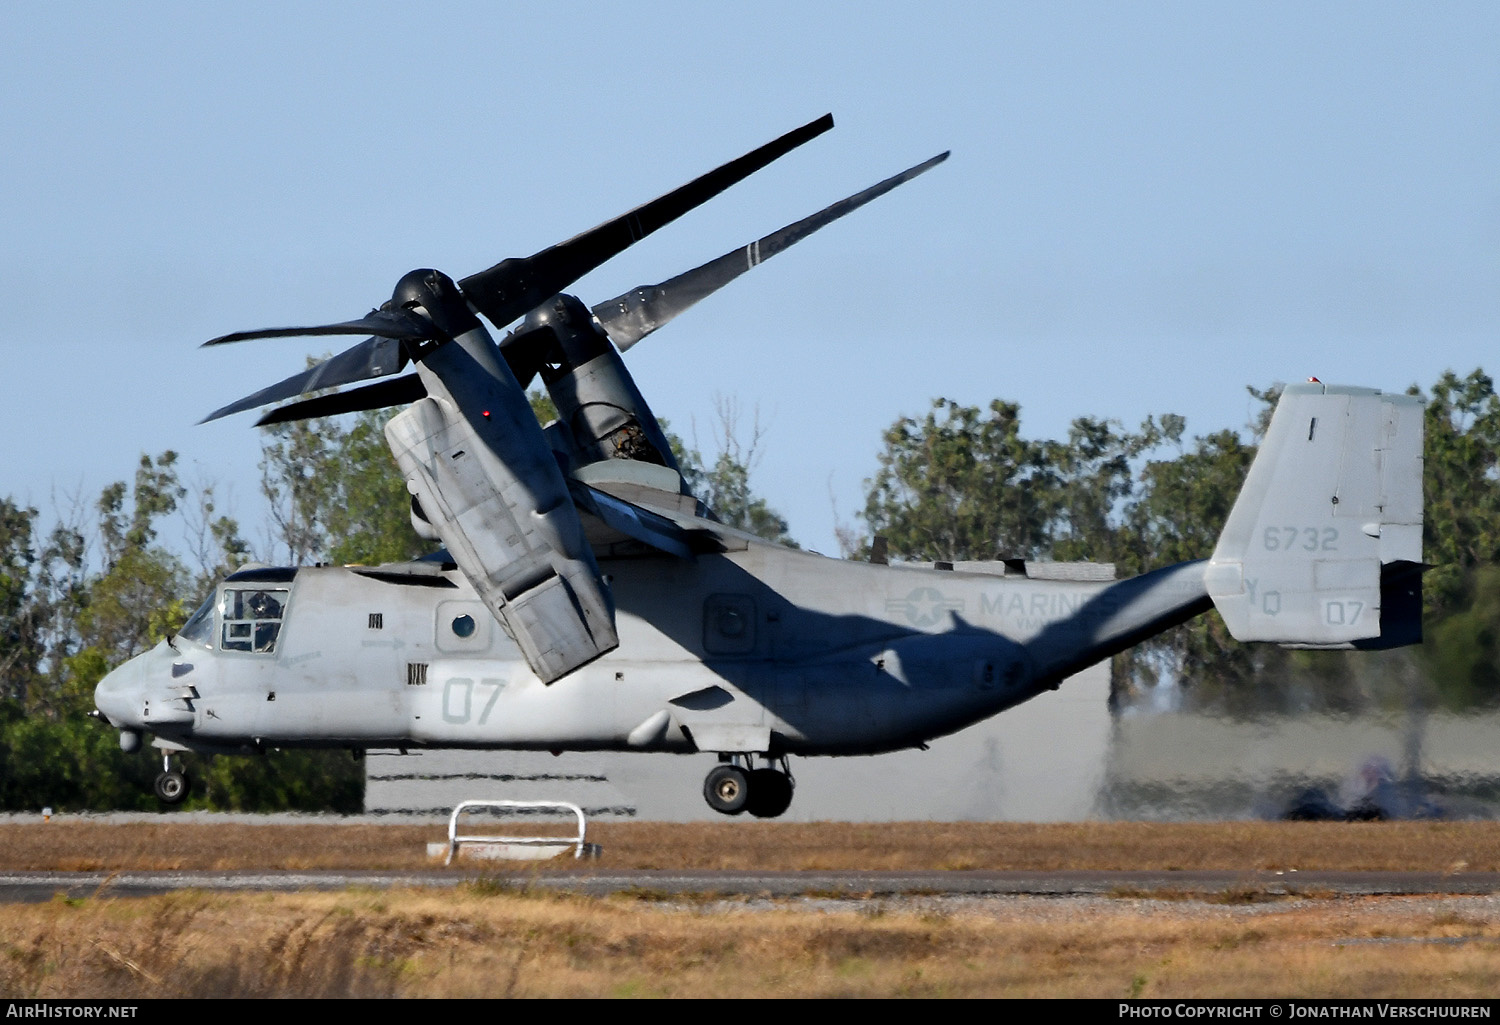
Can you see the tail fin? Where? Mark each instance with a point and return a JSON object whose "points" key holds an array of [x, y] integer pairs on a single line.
{"points": [[1323, 548]]}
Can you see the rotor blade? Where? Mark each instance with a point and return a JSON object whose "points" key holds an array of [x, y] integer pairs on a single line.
{"points": [[396, 392], [630, 317], [383, 323], [373, 357], [513, 286]]}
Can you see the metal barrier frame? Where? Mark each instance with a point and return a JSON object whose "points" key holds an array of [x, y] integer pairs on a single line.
{"points": [[454, 840]]}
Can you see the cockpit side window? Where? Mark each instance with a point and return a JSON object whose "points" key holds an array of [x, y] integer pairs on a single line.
{"points": [[200, 628], [252, 618]]}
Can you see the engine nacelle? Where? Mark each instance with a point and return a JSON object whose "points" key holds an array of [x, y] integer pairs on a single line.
{"points": [[487, 484], [606, 415]]}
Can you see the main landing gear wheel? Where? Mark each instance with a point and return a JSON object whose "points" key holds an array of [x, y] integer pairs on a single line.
{"points": [[734, 787], [770, 793], [172, 787], [727, 789]]}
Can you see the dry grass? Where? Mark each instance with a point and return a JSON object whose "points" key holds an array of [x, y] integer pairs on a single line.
{"points": [[1119, 846], [486, 941], [490, 937]]}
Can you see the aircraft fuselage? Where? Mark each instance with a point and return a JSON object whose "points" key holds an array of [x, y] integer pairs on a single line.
{"points": [[763, 650]]}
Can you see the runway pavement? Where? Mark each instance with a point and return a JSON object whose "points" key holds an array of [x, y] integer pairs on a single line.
{"points": [[28, 887]]}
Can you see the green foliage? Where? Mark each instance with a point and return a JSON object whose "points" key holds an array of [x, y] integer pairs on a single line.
{"points": [[960, 485], [1091, 476], [1174, 514], [1461, 541], [371, 519], [299, 496], [19, 644], [75, 764], [542, 406], [1462, 649], [214, 540], [64, 625], [71, 764], [1178, 506], [282, 780], [77, 621], [157, 491], [1461, 534], [725, 488], [335, 493], [135, 604]]}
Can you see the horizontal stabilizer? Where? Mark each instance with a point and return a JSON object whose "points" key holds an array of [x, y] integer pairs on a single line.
{"points": [[1324, 544]]}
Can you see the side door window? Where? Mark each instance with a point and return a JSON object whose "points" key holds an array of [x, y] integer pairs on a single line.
{"points": [[252, 618]]}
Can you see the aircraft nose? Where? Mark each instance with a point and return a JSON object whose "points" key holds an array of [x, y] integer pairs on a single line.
{"points": [[120, 694]]}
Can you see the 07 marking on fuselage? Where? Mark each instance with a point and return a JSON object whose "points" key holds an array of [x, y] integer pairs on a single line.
{"points": [[462, 689]]}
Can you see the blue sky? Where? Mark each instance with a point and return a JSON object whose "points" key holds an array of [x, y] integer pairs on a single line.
{"points": [[1148, 207]]}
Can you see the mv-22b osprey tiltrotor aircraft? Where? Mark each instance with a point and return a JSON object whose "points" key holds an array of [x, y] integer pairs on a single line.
{"points": [[583, 599]]}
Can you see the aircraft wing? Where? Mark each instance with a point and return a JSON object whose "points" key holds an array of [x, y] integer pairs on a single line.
{"points": [[616, 521], [624, 504]]}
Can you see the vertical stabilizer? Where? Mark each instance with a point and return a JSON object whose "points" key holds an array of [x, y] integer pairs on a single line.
{"points": [[1324, 545]]}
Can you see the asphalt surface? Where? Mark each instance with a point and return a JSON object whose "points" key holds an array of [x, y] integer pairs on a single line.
{"points": [[31, 887]]}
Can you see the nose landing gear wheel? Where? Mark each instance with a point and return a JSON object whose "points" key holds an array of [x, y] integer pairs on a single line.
{"points": [[727, 789], [171, 787]]}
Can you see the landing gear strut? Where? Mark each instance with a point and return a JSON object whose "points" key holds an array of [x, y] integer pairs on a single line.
{"points": [[734, 786], [171, 786]]}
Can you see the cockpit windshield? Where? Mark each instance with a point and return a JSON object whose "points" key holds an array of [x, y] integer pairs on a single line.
{"points": [[199, 629], [251, 617]]}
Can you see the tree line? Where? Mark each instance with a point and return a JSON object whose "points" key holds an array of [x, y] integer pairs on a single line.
{"points": [[957, 483], [965, 483]]}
